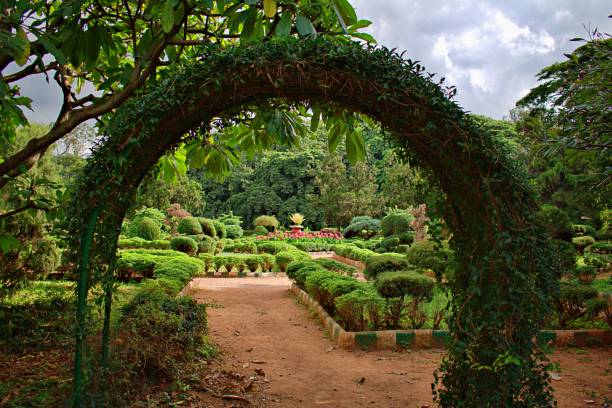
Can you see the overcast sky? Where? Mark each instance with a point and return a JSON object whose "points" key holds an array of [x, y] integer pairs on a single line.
{"points": [[491, 50]]}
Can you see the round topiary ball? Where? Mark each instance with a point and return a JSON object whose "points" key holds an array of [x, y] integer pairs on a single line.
{"points": [[208, 227], [189, 226], [396, 223], [233, 231], [148, 229], [184, 244]]}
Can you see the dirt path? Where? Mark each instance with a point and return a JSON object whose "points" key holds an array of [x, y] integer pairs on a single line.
{"points": [[260, 325]]}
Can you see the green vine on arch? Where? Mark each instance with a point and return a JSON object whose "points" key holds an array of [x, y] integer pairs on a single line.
{"points": [[504, 283]]}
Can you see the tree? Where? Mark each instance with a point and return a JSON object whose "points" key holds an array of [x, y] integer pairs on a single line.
{"points": [[575, 96], [161, 194], [124, 47]]}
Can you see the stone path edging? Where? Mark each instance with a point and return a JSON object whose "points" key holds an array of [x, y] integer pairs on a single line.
{"points": [[432, 339]]}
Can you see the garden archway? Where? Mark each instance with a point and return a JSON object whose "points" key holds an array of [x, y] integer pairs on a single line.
{"points": [[501, 289]]}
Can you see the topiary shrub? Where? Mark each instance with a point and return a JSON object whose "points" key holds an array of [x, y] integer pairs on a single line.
{"points": [[572, 302], [395, 286], [219, 229], [361, 309], [233, 231], [601, 247], [189, 226], [581, 243], [242, 246], [274, 247], [396, 223], [148, 229], [184, 244], [269, 221], [208, 226], [299, 270], [382, 263], [230, 219], [207, 244], [362, 226], [260, 230], [586, 273], [556, 222], [283, 258], [424, 255], [333, 265]]}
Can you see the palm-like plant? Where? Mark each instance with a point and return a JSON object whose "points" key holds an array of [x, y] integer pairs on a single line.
{"points": [[297, 218]]}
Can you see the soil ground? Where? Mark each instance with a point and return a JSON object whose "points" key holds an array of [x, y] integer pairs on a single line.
{"points": [[264, 334]]}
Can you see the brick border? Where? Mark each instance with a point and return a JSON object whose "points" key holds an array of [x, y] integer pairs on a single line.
{"points": [[432, 339]]}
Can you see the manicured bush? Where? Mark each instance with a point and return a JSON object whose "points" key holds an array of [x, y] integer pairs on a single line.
{"points": [[233, 231], [396, 223], [572, 302], [151, 213], [136, 242], [209, 259], [337, 286], [362, 309], [148, 229], [274, 247], [586, 273], [404, 283], [601, 247], [354, 252], [314, 282], [208, 226], [584, 229], [244, 246], [395, 286], [423, 255], [599, 261], [179, 271], [189, 226], [556, 222], [230, 219], [581, 243], [363, 226], [207, 244], [299, 270], [219, 229], [162, 333], [333, 265], [382, 263], [266, 221], [283, 258], [269, 261], [184, 244], [260, 230]]}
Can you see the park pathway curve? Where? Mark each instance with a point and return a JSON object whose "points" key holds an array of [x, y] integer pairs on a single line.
{"points": [[259, 325]]}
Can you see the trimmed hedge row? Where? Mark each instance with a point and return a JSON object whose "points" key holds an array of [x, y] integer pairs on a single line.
{"points": [[353, 252], [137, 242]]}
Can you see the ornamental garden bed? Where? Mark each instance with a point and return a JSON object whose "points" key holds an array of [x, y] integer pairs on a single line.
{"points": [[436, 339]]}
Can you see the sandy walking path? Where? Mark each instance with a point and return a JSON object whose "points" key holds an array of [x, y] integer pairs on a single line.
{"points": [[259, 324]]}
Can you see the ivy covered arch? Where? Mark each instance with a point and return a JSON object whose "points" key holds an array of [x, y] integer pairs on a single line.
{"points": [[502, 288]]}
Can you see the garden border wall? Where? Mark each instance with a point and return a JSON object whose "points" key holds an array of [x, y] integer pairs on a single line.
{"points": [[435, 339]]}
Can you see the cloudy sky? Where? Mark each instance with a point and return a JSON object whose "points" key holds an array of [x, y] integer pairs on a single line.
{"points": [[491, 50]]}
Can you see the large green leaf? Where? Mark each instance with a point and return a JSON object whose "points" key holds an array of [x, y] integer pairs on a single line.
{"points": [[355, 147], [304, 26], [283, 28], [167, 18]]}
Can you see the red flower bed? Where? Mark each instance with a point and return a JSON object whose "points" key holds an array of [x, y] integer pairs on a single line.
{"points": [[301, 235]]}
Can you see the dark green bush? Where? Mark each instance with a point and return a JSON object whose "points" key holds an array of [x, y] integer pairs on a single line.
{"points": [[274, 247], [396, 223], [586, 273], [148, 229], [207, 244], [283, 258], [208, 226], [599, 261], [602, 247], [242, 246], [336, 266], [45, 257], [404, 283], [219, 229], [160, 333], [314, 282], [260, 230], [423, 255], [382, 263], [556, 222], [584, 229], [363, 226], [179, 271], [189, 226], [184, 244], [564, 256], [299, 270], [233, 231], [330, 289], [389, 244], [361, 309], [572, 302], [581, 243]]}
